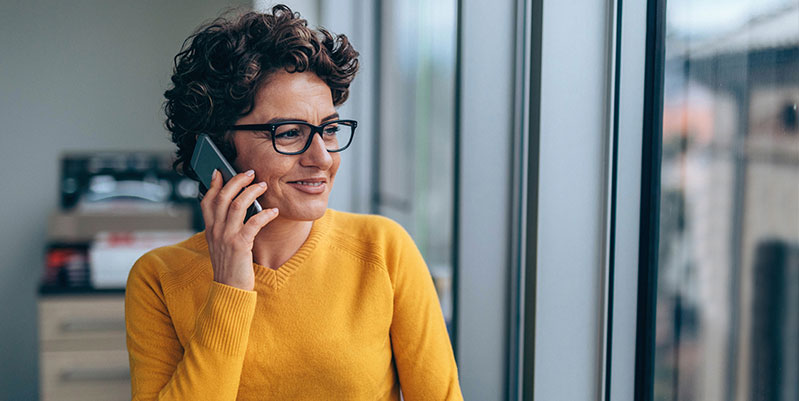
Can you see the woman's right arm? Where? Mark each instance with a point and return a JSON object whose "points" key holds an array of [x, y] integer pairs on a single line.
{"points": [[209, 366]]}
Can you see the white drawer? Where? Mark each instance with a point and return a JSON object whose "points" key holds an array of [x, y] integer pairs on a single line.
{"points": [[84, 375], [82, 322]]}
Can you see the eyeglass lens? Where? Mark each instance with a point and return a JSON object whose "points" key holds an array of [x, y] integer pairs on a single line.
{"points": [[293, 137]]}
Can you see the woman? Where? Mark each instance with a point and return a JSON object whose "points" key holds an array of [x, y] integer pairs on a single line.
{"points": [[299, 302]]}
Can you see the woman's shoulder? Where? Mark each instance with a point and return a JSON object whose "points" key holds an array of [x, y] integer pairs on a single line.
{"points": [[376, 236], [376, 239], [365, 227], [172, 263]]}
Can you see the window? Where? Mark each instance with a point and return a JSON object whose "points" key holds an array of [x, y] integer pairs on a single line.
{"points": [[415, 149], [727, 305]]}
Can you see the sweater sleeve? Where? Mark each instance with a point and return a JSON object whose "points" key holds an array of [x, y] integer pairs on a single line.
{"points": [[422, 349], [209, 366]]}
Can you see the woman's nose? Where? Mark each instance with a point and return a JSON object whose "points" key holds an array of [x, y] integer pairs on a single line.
{"points": [[317, 155]]}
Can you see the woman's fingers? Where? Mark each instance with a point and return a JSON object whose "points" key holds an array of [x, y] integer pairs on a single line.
{"points": [[229, 240], [222, 200], [238, 207], [225, 205], [207, 202], [256, 222]]}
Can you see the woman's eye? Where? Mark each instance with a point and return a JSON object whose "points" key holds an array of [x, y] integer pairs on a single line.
{"points": [[292, 133], [332, 130]]}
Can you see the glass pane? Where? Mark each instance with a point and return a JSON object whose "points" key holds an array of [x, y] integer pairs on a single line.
{"points": [[416, 136], [728, 284]]}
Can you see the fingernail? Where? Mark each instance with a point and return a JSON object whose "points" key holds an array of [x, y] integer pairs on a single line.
{"points": [[261, 184], [274, 210], [213, 175], [250, 173]]}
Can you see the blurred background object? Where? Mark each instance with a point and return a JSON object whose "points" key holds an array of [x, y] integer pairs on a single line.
{"points": [[728, 286], [114, 207], [112, 254], [414, 144]]}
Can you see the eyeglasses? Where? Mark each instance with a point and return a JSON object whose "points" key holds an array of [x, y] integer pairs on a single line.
{"points": [[295, 137]]}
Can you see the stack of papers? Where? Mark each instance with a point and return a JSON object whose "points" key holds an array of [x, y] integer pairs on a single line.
{"points": [[112, 254]]}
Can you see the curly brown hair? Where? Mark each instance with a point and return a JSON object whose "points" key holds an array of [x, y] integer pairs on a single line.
{"points": [[223, 64]]}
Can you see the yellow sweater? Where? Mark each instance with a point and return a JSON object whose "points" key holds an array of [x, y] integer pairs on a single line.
{"points": [[353, 315]]}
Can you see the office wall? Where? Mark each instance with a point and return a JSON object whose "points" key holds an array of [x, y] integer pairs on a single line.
{"points": [[74, 76]]}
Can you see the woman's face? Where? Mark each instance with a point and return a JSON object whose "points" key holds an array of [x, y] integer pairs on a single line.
{"points": [[293, 181]]}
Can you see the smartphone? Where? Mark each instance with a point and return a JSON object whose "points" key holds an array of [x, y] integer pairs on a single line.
{"points": [[207, 158]]}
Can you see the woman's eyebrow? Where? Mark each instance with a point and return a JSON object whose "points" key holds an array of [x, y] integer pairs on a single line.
{"points": [[284, 119], [333, 116]]}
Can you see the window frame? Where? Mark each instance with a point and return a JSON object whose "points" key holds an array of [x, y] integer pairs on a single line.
{"points": [[650, 200]]}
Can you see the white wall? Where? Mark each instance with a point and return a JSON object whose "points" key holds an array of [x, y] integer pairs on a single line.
{"points": [[74, 76]]}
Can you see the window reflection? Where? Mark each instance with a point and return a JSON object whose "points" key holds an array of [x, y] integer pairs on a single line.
{"points": [[728, 285], [416, 135]]}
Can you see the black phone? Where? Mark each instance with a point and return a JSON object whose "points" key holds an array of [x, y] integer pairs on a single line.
{"points": [[207, 158]]}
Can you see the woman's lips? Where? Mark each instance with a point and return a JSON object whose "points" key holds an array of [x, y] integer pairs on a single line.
{"points": [[309, 187]]}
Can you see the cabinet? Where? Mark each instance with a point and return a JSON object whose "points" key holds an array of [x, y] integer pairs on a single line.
{"points": [[82, 351]]}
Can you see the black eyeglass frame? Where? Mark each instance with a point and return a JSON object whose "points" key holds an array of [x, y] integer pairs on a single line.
{"points": [[315, 129]]}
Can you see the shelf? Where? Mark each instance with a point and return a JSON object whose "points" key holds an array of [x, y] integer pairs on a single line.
{"points": [[49, 290]]}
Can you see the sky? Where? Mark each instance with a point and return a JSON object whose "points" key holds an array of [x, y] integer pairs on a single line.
{"points": [[707, 17]]}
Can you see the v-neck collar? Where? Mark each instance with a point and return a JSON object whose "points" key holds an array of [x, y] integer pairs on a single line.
{"points": [[277, 278]]}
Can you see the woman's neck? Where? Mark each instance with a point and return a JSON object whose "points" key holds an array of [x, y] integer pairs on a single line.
{"points": [[279, 240]]}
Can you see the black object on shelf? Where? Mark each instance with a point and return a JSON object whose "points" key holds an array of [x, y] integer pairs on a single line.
{"points": [[139, 176]]}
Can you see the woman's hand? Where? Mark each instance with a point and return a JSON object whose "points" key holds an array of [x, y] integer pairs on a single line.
{"points": [[230, 241]]}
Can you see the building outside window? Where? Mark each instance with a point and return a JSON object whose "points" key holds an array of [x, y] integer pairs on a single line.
{"points": [[728, 285]]}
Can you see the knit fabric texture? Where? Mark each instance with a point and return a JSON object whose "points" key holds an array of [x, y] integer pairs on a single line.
{"points": [[353, 315]]}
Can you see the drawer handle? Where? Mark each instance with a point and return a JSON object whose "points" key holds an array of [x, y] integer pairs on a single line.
{"points": [[82, 326], [82, 375]]}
